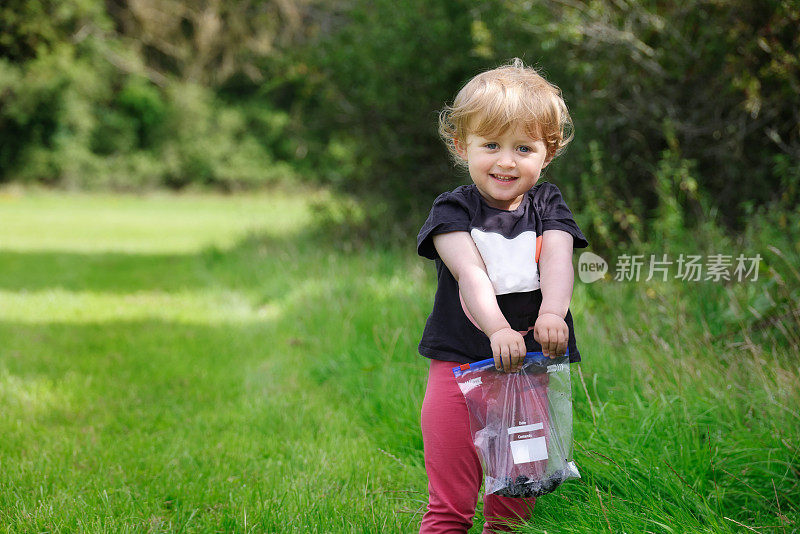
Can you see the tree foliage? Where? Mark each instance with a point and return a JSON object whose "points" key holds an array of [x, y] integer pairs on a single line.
{"points": [[378, 81], [689, 100], [84, 102], [709, 81], [207, 42], [693, 105]]}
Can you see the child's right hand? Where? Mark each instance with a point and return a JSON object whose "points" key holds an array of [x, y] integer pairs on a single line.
{"points": [[508, 350]]}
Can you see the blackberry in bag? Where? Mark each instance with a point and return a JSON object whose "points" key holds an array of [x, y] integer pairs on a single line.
{"points": [[521, 424]]}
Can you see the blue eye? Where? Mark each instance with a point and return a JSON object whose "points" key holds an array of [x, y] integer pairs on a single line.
{"points": [[491, 146], [525, 149]]}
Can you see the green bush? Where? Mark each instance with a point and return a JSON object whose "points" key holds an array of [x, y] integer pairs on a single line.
{"points": [[710, 80], [212, 145], [375, 83], [346, 94], [72, 119], [35, 27], [145, 110], [641, 78]]}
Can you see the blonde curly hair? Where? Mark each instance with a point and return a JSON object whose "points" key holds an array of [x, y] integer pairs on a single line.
{"points": [[506, 96]]}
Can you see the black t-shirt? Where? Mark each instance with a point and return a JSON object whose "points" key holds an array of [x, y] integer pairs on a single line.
{"points": [[507, 241]]}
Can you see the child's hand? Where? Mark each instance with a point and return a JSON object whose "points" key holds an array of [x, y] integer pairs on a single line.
{"points": [[551, 332], [508, 350]]}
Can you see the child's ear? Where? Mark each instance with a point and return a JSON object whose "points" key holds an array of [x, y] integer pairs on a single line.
{"points": [[550, 156], [460, 147]]}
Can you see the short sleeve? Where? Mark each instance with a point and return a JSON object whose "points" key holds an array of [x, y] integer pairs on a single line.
{"points": [[448, 214], [556, 215]]}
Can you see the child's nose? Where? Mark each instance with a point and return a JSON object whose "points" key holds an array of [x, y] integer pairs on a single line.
{"points": [[506, 161]]}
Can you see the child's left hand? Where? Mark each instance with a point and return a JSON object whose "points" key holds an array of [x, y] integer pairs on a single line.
{"points": [[551, 332]]}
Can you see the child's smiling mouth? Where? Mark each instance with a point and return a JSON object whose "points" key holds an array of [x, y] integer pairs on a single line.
{"points": [[503, 177]]}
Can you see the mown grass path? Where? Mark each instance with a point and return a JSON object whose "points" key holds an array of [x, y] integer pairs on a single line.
{"points": [[154, 375], [198, 363]]}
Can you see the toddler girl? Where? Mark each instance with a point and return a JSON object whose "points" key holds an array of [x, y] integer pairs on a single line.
{"points": [[503, 252]]}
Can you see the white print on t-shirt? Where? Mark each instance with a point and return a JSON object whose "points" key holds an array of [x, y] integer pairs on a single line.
{"points": [[510, 263]]}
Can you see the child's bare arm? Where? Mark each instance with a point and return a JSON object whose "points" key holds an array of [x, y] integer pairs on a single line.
{"points": [[556, 277], [462, 258]]}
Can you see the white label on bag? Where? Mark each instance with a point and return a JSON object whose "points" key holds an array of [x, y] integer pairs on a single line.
{"points": [[529, 450], [469, 385], [525, 428]]}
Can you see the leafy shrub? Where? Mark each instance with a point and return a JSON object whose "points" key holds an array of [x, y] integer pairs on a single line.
{"points": [[75, 120], [642, 79], [213, 146], [375, 83], [144, 108], [645, 77], [655, 90]]}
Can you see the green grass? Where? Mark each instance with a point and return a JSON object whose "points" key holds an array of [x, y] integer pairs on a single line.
{"points": [[202, 363]]}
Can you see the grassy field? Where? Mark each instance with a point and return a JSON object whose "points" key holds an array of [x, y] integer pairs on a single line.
{"points": [[200, 363]]}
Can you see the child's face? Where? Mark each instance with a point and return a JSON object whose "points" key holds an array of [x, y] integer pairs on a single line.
{"points": [[504, 166]]}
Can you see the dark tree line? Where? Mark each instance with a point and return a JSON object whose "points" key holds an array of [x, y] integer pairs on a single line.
{"points": [[688, 107]]}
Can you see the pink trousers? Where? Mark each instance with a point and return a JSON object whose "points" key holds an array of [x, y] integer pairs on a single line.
{"points": [[452, 464]]}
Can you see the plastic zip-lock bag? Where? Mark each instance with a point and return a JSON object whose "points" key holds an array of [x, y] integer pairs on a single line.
{"points": [[521, 424]]}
